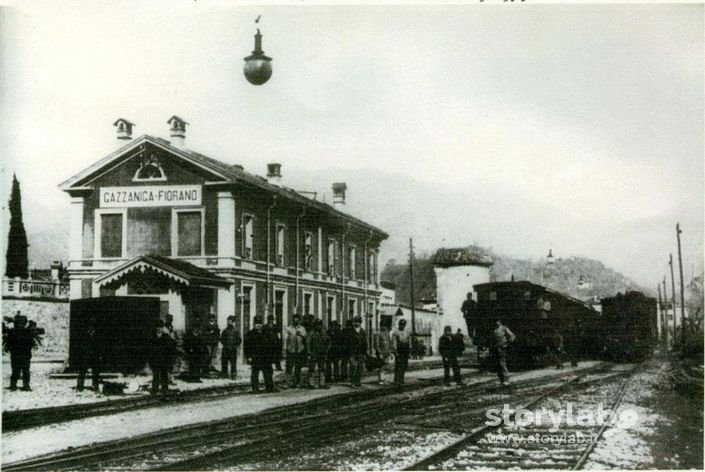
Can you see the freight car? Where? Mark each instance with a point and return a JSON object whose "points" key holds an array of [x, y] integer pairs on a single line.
{"points": [[630, 323], [546, 323]]}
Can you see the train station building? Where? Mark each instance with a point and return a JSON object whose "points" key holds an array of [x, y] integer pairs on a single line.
{"points": [[157, 219]]}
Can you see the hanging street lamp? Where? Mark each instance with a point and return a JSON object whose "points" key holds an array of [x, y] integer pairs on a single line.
{"points": [[258, 67]]}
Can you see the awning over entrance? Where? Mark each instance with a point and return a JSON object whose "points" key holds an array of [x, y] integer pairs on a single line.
{"points": [[179, 271]]}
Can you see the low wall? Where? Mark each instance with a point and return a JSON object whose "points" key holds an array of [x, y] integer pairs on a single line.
{"points": [[53, 316]]}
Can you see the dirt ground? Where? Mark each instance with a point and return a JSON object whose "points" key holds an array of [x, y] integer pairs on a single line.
{"points": [[669, 430]]}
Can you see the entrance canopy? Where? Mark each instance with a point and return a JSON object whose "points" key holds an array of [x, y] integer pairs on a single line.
{"points": [[178, 271]]}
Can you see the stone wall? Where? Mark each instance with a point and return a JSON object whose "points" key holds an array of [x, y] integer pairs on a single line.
{"points": [[52, 316]]}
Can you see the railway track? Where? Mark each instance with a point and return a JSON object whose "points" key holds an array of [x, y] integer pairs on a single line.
{"points": [[543, 446], [387, 443], [254, 436]]}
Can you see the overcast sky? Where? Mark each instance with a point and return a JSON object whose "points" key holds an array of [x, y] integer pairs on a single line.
{"points": [[576, 127]]}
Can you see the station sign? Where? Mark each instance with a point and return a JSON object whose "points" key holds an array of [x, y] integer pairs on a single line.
{"points": [[150, 196]]}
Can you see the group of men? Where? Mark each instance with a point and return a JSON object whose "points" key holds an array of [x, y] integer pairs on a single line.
{"points": [[330, 356]]}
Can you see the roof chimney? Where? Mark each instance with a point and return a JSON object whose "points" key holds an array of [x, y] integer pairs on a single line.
{"points": [[339, 189], [274, 173], [124, 130], [177, 131]]}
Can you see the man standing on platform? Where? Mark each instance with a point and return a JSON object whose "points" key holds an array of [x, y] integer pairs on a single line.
{"points": [[231, 340], [449, 350], [401, 346], [295, 351], [358, 351], [211, 335], [19, 342], [260, 351], [274, 330]]}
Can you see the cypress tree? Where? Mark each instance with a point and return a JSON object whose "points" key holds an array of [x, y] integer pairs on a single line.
{"points": [[16, 259]]}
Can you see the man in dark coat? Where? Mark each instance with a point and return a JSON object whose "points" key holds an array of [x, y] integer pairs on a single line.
{"points": [[231, 340], [161, 357], [89, 356], [19, 343], [318, 346], [211, 336], [345, 352], [260, 351], [469, 309], [196, 354], [274, 330], [449, 350], [357, 342], [334, 353]]}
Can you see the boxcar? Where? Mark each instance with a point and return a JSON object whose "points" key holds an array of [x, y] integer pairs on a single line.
{"points": [[123, 329], [542, 320], [630, 324]]}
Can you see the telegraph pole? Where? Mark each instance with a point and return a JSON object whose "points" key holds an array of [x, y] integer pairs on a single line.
{"points": [[411, 279], [663, 317], [680, 267], [673, 292], [665, 298]]}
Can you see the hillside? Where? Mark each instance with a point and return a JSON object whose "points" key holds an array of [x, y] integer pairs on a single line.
{"points": [[563, 275]]}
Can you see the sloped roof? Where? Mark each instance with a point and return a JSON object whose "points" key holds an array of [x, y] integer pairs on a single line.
{"points": [[222, 173], [180, 271], [470, 255]]}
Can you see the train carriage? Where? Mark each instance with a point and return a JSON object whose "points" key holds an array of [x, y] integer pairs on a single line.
{"points": [[543, 320], [630, 322]]}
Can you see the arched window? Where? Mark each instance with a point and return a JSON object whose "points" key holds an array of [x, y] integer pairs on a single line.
{"points": [[149, 170]]}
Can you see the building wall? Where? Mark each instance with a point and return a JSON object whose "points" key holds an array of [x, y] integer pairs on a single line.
{"points": [[452, 286]]}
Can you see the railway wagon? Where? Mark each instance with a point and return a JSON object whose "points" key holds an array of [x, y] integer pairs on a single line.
{"points": [[117, 329], [630, 324], [542, 319]]}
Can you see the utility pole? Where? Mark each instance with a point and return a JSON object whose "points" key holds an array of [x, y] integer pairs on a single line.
{"points": [[411, 279], [673, 292], [680, 268], [665, 298], [663, 317], [660, 307]]}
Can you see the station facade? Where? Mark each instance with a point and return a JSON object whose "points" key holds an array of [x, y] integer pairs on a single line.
{"points": [[206, 237]]}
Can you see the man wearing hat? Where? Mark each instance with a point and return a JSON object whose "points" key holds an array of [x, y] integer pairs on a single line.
{"points": [[260, 353], [401, 346], [295, 350], [161, 357], [211, 336], [230, 339], [273, 330], [19, 343], [358, 351]]}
